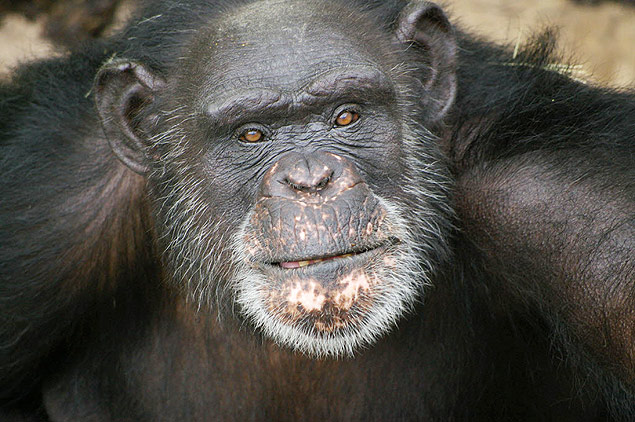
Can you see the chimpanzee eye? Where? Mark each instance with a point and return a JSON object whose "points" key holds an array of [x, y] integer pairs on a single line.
{"points": [[346, 118], [252, 135]]}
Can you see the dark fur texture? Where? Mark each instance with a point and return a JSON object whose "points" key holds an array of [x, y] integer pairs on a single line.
{"points": [[530, 316]]}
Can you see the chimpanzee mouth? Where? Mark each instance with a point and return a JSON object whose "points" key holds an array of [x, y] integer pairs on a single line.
{"points": [[290, 265], [325, 293], [299, 264]]}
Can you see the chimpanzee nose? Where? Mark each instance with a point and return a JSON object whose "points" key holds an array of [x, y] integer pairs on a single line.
{"points": [[312, 176], [309, 175]]}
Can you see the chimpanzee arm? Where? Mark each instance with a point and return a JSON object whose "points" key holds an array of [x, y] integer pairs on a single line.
{"points": [[558, 228], [71, 225]]}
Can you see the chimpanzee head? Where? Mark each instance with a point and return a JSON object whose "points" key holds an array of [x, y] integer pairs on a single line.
{"points": [[290, 165]]}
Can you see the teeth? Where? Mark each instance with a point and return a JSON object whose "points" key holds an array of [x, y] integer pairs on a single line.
{"points": [[300, 264]]}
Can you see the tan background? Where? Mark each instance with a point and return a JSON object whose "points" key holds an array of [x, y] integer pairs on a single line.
{"points": [[602, 38]]}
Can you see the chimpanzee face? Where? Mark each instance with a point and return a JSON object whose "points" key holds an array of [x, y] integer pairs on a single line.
{"points": [[289, 178]]}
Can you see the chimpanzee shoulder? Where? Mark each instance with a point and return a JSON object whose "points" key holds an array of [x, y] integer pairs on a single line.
{"points": [[516, 100], [526, 131]]}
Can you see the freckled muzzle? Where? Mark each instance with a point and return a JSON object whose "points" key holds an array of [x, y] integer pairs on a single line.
{"points": [[282, 230], [321, 259], [322, 241]]}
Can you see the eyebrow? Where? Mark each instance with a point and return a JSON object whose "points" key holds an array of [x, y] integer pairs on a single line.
{"points": [[355, 81], [245, 102], [351, 83]]}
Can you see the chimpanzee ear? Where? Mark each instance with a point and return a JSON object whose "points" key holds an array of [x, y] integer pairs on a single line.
{"points": [[426, 25], [122, 90]]}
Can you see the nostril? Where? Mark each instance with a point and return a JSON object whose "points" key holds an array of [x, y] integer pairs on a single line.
{"points": [[295, 186], [309, 185], [324, 182]]}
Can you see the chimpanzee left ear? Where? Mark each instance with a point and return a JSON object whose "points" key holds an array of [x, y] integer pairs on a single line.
{"points": [[426, 25], [124, 89]]}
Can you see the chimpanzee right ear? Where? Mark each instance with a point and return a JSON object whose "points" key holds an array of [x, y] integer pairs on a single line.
{"points": [[425, 25], [123, 88]]}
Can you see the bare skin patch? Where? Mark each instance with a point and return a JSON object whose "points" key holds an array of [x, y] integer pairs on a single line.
{"points": [[308, 294], [352, 285], [306, 300]]}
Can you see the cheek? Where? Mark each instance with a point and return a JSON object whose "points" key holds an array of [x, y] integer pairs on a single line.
{"points": [[229, 182], [384, 169]]}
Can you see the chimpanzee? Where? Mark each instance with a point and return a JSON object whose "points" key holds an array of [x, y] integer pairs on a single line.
{"points": [[314, 210]]}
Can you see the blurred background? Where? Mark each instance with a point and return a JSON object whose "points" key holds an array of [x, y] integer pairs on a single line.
{"points": [[599, 35]]}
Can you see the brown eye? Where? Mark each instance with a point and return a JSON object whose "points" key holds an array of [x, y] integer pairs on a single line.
{"points": [[346, 117], [252, 135]]}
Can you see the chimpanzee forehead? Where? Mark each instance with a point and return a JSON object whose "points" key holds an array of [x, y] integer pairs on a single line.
{"points": [[283, 44]]}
